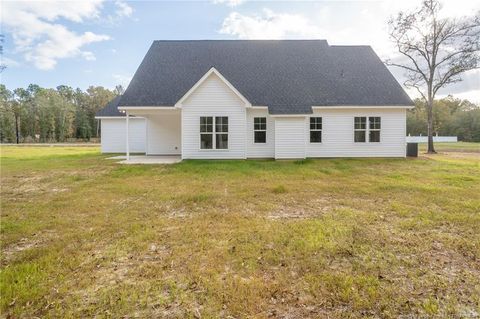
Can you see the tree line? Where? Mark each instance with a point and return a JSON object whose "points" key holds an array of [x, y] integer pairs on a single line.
{"points": [[451, 117], [36, 114]]}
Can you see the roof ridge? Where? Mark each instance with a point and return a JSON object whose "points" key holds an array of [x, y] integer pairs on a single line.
{"points": [[351, 46], [243, 40]]}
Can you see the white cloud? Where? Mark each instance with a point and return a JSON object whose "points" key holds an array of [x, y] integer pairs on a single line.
{"points": [[10, 63], [342, 23], [469, 88], [41, 38], [269, 25], [230, 3], [472, 95], [123, 9], [124, 80], [450, 8], [89, 56]]}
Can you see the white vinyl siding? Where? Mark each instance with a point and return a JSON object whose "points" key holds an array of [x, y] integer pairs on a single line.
{"points": [[260, 150], [290, 137], [164, 132], [213, 98], [287, 137], [113, 135], [338, 134]]}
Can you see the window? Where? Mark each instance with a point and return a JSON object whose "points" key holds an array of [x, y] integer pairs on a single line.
{"points": [[315, 130], [208, 130], [360, 129], [260, 129], [221, 132], [374, 126], [374, 129]]}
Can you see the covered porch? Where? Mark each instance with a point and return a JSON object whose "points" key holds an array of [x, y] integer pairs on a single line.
{"points": [[162, 135]]}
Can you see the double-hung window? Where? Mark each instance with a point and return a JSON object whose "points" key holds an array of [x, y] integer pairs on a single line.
{"points": [[374, 129], [315, 130], [221, 132], [208, 130], [360, 129], [259, 129]]}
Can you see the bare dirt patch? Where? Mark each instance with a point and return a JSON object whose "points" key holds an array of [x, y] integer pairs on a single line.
{"points": [[379, 238], [462, 154], [112, 274], [10, 252], [16, 187], [292, 208]]}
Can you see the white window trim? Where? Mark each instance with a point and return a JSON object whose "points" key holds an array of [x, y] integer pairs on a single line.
{"points": [[265, 130], [315, 130], [374, 130], [214, 132], [367, 129], [204, 133], [360, 130]]}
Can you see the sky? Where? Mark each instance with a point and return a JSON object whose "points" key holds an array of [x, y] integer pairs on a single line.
{"points": [[98, 42]]}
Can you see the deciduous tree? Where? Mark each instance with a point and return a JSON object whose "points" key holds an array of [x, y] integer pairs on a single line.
{"points": [[436, 51]]}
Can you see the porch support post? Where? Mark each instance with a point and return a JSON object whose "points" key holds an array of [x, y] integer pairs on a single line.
{"points": [[127, 143]]}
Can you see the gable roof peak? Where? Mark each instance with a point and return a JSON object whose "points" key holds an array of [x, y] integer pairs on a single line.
{"points": [[211, 71]]}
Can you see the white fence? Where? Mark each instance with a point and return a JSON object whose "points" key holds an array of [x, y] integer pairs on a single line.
{"points": [[438, 139]]}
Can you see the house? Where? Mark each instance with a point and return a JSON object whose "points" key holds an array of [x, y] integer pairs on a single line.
{"points": [[113, 130], [238, 99]]}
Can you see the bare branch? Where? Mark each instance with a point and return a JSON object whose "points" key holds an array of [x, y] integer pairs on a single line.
{"points": [[420, 92], [402, 66], [438, 50]]}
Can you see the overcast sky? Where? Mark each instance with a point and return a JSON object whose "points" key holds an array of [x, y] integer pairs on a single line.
{"points": [[82, 43]]}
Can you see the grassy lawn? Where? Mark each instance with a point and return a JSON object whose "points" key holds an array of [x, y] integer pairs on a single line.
{"points": [[82, 236], [447, 147]]}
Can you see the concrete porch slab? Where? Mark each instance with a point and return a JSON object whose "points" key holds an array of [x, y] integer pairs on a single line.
{"points": [[119, 157], [150, 159]]}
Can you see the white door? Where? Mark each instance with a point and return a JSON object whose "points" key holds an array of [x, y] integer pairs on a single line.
{"points": [[289, 137]]}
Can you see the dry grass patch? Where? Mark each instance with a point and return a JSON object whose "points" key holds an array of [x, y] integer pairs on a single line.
{"points": [[317, 238]]}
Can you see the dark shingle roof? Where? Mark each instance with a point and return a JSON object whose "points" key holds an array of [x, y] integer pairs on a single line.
{"points": [[289, 76], [111, 108]]}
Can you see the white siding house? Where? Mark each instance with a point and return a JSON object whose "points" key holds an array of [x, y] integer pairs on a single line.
{"points": [[163, 134], [113, 135], [290, 137], [260, 149], [327, 101], [213, 98], [338, 133]]}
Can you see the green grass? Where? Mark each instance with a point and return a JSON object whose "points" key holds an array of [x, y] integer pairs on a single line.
{"points": [[459, 146], [82, 236], [280, 189]]}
